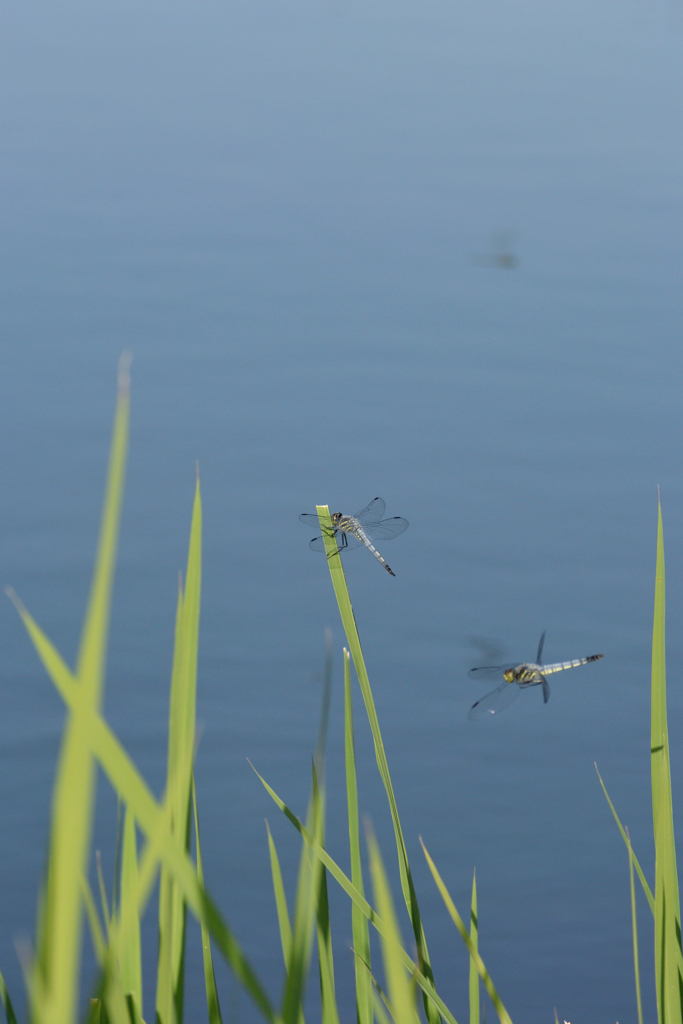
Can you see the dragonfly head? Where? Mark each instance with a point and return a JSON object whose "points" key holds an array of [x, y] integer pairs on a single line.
{"points": [[509, 675], [336, 517]]}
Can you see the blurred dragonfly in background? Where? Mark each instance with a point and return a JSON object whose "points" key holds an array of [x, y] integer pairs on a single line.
{"points": [[517, 678], [363, 528]]}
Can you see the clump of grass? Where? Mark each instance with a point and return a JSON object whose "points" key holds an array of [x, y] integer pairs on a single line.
{"points": [[166, 826]]}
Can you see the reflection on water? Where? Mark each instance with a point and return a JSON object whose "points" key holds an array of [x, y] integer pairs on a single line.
{"points": [[501, 255]]}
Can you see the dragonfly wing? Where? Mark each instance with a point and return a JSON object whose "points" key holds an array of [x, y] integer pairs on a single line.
{"points": [[540, 649], [308, 519], [546, 691], [372, 513], [488, 670], [387, 529], [496, 700], [318, 544]]}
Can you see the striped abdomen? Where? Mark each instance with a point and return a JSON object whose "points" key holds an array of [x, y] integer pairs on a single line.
{"points": [[360, 533], [530, 674], [559, 666]]}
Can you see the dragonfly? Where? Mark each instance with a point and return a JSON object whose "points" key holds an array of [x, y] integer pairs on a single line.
{"points": [[363, 528], [517, 678]]}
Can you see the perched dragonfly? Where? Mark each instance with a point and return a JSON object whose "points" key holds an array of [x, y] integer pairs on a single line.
{"points": [[363, 528], [517, 678]]}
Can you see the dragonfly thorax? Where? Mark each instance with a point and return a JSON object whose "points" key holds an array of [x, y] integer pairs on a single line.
{"points": [[525, 675], [349, 524]]}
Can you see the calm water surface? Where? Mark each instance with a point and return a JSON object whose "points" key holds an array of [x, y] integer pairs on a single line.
{"points": [[281, 208]]}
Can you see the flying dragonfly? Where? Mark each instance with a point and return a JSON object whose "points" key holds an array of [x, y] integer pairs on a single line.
{"points": [[363, 528], [517, 678]]}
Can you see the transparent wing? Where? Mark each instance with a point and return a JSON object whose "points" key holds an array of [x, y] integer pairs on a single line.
{"points": [[308, 519], [318, 544], [372, 513], [540, 649], [489, 670], [546, 691], [387, 529], [496, 700]]}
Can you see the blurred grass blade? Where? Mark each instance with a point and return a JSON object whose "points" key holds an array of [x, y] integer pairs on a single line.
{"points": [[280, 898], [400, 992], [166, 987], [475, 1009], [327, 698], [353, 640], [10, 1015], [380, 1001], [359, 922], [658, 720], [328, 996], [304, 916], [426, 984], [130, 951], [56, 967], [181, 742], [634, 926], [99, 941], [212, 1002], [104, 903], [503, 1015], [668, 956], [643, 881]]}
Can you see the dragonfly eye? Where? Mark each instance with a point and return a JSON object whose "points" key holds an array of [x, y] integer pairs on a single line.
{"points": [[509, 675], [336, 517]]}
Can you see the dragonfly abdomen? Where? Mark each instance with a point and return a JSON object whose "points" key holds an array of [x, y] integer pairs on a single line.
{"points": [[561, 665], [360, 533]]}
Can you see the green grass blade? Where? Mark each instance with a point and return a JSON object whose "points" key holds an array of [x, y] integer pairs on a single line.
{"points": [[475, 1008], [634, 928], [359, 922], [353, 640], [400, 992], [503, 1015], [99, 941], [165, 988], [330, 1014], [379, 1003], [212, 1002], [104, 903], [304, 916], [130, 951], [658, 721], [57, 963], [181, 742], [426, 984], [643, 881], [668, 955], [327, 699], [116, 1008], [280, 898], [328, 997], [10, 1015]]}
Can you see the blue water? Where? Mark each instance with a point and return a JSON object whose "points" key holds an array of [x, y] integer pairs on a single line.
{"points": [[281, 209]]}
